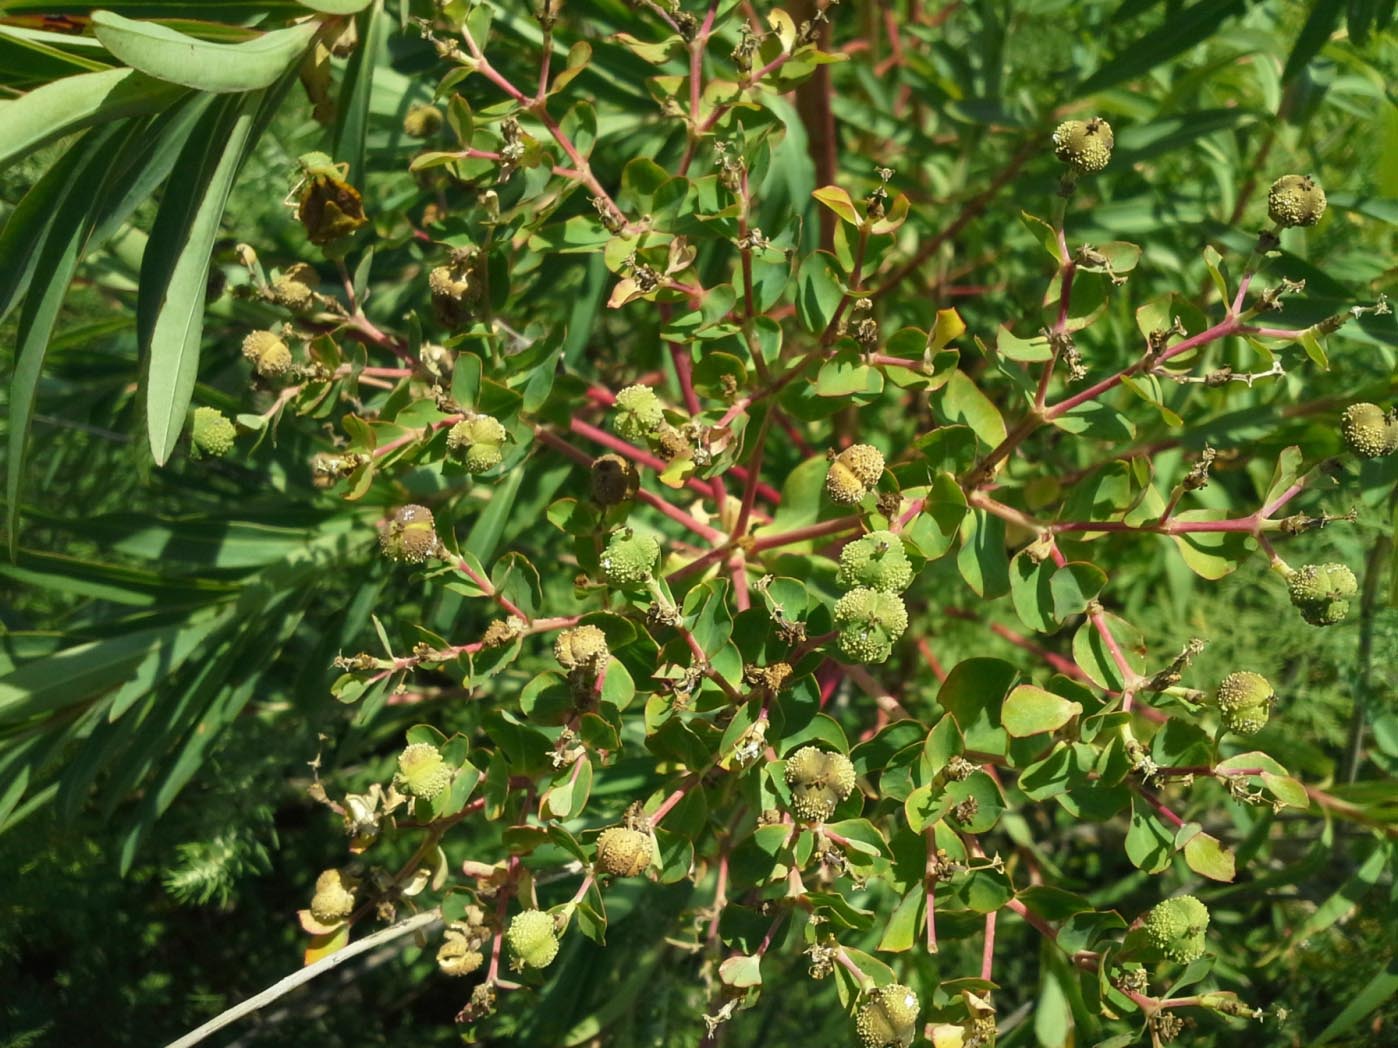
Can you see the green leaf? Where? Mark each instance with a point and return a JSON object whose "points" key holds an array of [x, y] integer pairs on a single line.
{"points": [[1098, 421], [741, 971], [1074, 585], [1208, 858], [962, 401], [1343, 902], [47, 218], [64, 106], [1314, 347], [838, 201], [1026, 350], [357, 88], [336, 7], [175, 271], [944, 507], [1053, 1016], [178, 58], [818, 291], [76, 673], [989, 804], [982, 559], [1319, 25], [1210, 554], [63, 245], [1030, 711], [900, 933], [1031, 591], [1149, 842], [1181, 744], [31, 58], [1374, 993], [846, 375], [1211, 262], [1179, 32], [973, 694], [1096, 658]]}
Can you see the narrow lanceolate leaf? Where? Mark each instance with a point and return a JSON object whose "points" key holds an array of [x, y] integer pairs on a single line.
{"points": [[34, 219], [63, 245], [336, 7], [1181, 31], [64, 106], [82, 201], [30, 58], [1375, 992], [178, 58], [358, 88], [42, 209], [175, 270]]}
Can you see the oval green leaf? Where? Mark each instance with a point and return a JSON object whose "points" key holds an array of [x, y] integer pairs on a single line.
{"points": [[1031, 711]]}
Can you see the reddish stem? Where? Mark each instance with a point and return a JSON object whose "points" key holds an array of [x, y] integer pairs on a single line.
{"points": [[670, 510], [754, 468], [671, 801], [806, 533], [929, 884], [1229, 325], [490, 590], [988, 953], [1160, 808]]}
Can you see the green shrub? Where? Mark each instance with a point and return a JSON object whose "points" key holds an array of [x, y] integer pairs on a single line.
{"points": [[720, 596]]}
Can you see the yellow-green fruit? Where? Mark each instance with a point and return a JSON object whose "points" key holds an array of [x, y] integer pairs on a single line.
{"points": [[295, 288], [614, 480], [1295, 200], [1176, 928], [1321, 592], [1084, 145], [582, 647], [639, 413], [1244, 701], [868, 621], [842, 485], [878, 561], [629, 558], [422, 121], [532, 939], [477, 440], [212, 433], [853, 472], [269, 355], [819, 781], [1367, 431], [624, 852], [481, 458], [888, 1017], [409, 535], [422, 771], [334, 897]]}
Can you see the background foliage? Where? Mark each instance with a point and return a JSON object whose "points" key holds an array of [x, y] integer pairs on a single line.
{"points": [[168, 677]]}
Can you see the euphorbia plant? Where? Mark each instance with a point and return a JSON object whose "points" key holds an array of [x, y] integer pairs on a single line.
{"points": [[816, 805], [774, 474], [704, 633]]}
